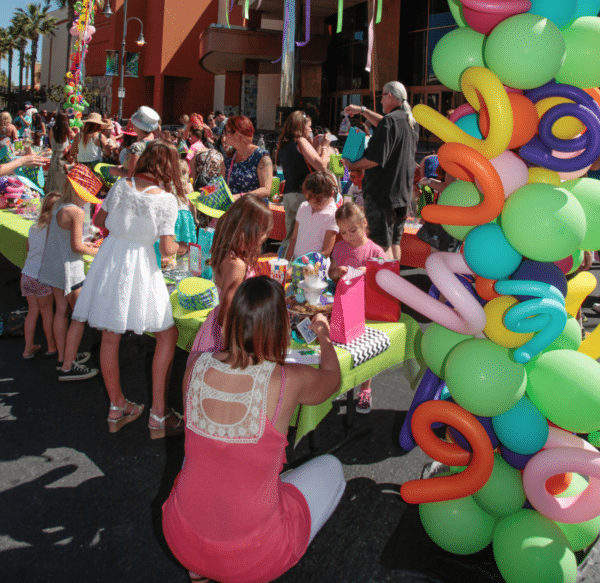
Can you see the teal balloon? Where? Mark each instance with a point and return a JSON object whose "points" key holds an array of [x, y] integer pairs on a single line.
{"points": [[456, 51], [570, 337], [489, 254], [457, 12], [460, 193], [530, 548], [560, 12], [484, 378], [565, 386], [587, 8], [503, 493], [470, 124], [436, 345], [581, 66], [587, 192], [457, 526], [580, 535], [523, 429], [525, 51], [543, 222]]}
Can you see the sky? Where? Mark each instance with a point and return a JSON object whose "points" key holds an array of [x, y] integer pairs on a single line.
{"points": [[7, 11]]}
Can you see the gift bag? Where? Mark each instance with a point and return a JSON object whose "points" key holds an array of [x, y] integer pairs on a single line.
{"points": [[354, 148], [379, 305], [348, 313], [205, 240], [335, 165]]}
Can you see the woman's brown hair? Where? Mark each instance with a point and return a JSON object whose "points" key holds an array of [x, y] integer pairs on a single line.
{"points": [[256, 325], [161, 159], [89, 129], [293, 127], [240, 230], [48, 203], [319, 185]]}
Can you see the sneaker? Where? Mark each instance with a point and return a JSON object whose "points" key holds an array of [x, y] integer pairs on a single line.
{"points": [[78, 372], [364, 403], [79, 359]]}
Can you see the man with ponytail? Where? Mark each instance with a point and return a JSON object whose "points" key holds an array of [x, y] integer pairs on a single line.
{"points": [[389, 163]]}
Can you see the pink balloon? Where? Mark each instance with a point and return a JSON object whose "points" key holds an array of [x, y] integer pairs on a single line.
{"points": [[468, 316], [461, 111], [484, 15], [565, 265], [567, 156], [512, 171]]}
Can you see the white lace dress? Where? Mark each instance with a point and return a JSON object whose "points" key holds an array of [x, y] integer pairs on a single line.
{"points": [[124, 288]]}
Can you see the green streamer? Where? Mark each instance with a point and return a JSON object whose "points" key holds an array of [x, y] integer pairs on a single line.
{"points": [[246, 9], [340, 15], [379, 10]]}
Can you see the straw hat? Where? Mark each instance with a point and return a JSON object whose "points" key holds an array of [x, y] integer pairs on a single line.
{"points": [[146, 119], [97, 118], [85, 183]]}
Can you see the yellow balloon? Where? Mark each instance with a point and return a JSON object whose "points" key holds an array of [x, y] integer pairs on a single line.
{"points": [[476, 82], [579, 288], [543, 175], [495, 329], [564, 128]]}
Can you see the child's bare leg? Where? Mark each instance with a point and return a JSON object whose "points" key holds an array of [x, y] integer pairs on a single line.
{"points": [[46, 305], [61, 321], [365, 387], [30, 325]]}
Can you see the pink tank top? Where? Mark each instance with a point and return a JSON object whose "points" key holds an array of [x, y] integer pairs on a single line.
{"points": [[229, 517]]}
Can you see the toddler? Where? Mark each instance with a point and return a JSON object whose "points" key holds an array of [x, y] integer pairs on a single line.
{"points": [[354, 250], [315, 229]]}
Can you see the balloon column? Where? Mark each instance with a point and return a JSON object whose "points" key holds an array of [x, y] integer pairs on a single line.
{"points": [[506, 372], [83, 29]]}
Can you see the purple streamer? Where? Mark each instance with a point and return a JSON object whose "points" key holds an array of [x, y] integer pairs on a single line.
{"points": [[306, 26], [286, 22]]}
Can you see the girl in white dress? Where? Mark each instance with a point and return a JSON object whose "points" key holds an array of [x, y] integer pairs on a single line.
{"points": [[124, 288]]}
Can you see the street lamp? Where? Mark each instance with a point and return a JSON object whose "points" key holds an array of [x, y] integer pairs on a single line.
{"points": [[140, 42]]}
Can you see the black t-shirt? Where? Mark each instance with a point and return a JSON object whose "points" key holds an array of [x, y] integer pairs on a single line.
{"points": [[295, 168], [393, 146]]}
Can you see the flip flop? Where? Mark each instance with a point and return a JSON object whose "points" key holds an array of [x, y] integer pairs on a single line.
{"points": [[32, 355], [48, 354]]}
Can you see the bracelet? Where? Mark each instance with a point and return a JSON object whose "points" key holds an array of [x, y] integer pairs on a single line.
{"points": [[362, 109]]}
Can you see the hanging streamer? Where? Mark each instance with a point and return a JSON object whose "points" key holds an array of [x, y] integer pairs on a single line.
{"points": [[371, 39], [379, 11], [306, 25], [246, 9], [288, 23], [340, 15]]}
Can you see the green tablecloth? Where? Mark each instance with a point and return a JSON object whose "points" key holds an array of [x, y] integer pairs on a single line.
{"points": [[405, 340], [14, 230]]}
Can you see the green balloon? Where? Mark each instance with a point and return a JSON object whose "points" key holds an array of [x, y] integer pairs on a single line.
{"points": [[570, 337], [543, 222], [456, 9], [529, 547], [503, 493], [457, 50], [565, 386], [458, 526], [587, 192], [582, 62], [525, 51], [436, 345], [460, 193], [483, 378], [580, 535]]}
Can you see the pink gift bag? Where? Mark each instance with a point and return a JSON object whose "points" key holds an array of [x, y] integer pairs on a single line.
{"points": [[348, 314], [381, 306]]}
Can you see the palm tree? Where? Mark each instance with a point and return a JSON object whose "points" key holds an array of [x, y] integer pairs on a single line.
{"points": [[36, 22], [28, 65], [21, 40], [9, 44]]}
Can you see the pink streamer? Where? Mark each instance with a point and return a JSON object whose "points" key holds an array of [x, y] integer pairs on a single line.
{"points": [[371, 38], [468, 316]]}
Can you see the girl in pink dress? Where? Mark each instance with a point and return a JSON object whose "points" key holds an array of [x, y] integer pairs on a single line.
{"points": [[238, 238], [231, 516], [354, 250]]}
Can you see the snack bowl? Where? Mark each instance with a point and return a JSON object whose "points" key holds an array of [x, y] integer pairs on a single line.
{"points": [[312, 294]]}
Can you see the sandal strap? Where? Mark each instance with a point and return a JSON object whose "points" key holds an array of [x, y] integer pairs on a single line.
{"points": [[161, 420], [123, 409]]}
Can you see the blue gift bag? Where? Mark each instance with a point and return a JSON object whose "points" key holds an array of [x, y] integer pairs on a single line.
{"points": [[354, 148], [205, 240]]}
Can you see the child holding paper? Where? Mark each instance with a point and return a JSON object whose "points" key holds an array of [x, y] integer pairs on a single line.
{"points": [[354, 250]]}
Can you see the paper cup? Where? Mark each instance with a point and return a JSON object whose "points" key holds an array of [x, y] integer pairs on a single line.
{"points": [[278, 269]]}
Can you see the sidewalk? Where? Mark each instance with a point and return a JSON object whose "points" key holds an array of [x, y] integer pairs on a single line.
{"points": [[81, 504]]}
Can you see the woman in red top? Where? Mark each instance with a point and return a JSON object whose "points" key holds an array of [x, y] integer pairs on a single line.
{"points": [[230, 515]]}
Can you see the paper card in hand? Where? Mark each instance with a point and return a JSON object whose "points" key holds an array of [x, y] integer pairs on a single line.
{"points": [[354, 148], [379, 305], [348, 314]]}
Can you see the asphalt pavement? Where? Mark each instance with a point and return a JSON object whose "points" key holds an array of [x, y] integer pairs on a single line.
{"points": [[78, 503]]}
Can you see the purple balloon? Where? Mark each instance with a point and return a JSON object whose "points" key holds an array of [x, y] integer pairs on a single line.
{"points": [[540, 271], [571, 92], [487, 425], [429, 389], [516, 460]]}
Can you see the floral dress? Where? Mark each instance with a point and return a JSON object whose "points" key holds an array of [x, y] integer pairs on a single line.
{"points": [[243, 176]]}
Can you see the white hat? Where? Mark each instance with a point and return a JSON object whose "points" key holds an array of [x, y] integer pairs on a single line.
{"points": [[146, 119]]}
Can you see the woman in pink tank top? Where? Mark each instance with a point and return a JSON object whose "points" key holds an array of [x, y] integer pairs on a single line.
{"points": [[230, 516]]}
